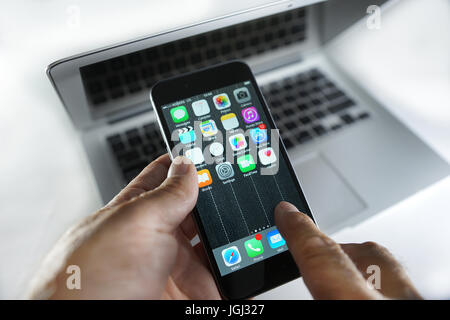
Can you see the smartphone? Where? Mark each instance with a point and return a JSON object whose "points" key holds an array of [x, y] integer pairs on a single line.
{"points": [[218, 118]]}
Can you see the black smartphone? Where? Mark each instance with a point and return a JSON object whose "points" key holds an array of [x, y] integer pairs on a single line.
{"points": [[218, 118]]}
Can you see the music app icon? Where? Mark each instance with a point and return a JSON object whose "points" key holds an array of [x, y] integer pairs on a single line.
{"points": [[250, 115]]}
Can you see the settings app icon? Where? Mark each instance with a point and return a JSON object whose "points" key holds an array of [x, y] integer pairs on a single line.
{"points": [[224, 170]]}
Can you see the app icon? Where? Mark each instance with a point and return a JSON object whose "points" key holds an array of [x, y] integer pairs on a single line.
{"points": [[200, 107], [254, 246], [246, 163], [231, 256], [275, 239], [229, 121], [216, 149], [224, 170], [242, 95], [186, 135], [204, 178], [195, 155], [208, 128], [237, 142], [179, 114], [258, 135], [250, 115], [267, 156], [221, 101]]}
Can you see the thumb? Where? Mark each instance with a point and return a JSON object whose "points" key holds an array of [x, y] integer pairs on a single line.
{"points": [[167, 205]]}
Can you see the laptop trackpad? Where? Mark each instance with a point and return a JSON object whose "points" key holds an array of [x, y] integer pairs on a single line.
{"points": [[331, 199]]}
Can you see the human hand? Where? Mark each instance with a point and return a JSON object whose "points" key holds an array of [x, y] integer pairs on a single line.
{"points": [[333, 271], [138, 246]]}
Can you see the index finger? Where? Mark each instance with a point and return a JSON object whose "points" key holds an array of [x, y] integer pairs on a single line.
{"points": [[327, 271]]}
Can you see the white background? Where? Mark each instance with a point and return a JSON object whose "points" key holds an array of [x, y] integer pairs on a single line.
{"points": [[46, 183]]}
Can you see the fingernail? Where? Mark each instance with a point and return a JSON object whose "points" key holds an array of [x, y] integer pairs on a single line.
{"points": [[179, 166]]}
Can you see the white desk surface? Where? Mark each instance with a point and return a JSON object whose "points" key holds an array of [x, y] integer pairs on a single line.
{"points": [[46, 183]]}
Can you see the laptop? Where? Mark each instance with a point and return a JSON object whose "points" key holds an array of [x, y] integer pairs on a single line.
{"points": [[352, 156]]}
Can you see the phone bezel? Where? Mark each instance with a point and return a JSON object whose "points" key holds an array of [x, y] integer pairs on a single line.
{"points": [[268, 273]]}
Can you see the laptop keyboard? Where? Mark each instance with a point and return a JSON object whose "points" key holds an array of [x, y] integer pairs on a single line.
{"points": [[115, 79], [308, 105], [135, 148], [305, 106]]}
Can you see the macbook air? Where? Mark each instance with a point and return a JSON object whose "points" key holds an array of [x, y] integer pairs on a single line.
{"points": [[353, 157]]}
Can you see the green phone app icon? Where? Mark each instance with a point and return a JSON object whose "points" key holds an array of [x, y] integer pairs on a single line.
{"points": [[179, 114], [254, 247]]}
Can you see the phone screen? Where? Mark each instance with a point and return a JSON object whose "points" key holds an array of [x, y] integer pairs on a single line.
{"points": [[229, 135]]}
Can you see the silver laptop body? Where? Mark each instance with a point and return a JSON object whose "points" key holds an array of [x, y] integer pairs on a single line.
{"points": [[352, 156]]}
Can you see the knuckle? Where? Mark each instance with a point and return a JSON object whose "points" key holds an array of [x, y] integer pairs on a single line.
{"points": [[175, 187], [316, 254]]}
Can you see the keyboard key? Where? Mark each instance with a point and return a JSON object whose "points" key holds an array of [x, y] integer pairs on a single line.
{"points": [[347, 118], [149, 149], [134, 138], [134, 87], [135, 141], [336, 127], [127, 157], [150, 128], [364, 115], [289, 112], [114, 139], [288, 86], [316, 102], [303, 94], [287, 143], [303, 136], [316, 75], [319, 114], [290, 98], [305, 120], [319, 130], [334, 95], [116, 143], [275, 103], [99, 99], [302, 107], [290, 125], [341, 106], [117, 93], [274, 91]]}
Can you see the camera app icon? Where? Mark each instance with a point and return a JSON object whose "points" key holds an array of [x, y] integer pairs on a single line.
{"points": [[224, 170], [242, 95]]}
